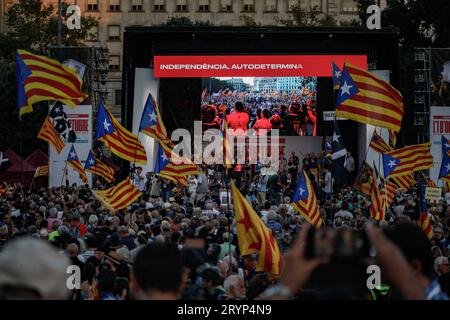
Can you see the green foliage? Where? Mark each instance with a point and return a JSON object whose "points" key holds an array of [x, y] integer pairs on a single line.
{"points": [[33, 26], [248, 21], [301, 17]]}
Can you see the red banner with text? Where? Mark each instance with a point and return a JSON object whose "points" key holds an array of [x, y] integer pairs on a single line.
{"points": [[252, 66]]}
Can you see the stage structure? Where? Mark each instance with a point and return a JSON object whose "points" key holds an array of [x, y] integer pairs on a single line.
{"points": [[262, 67]]}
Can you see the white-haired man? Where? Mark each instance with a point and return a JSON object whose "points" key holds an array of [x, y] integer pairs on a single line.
{"points": [[441, 265], [234, 288]]}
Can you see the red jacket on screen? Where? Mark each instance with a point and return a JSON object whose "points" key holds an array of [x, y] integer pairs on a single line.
{"points": [[238, 121]]}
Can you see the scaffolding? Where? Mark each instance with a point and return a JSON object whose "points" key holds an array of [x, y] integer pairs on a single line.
{"points": [[422, 93]]}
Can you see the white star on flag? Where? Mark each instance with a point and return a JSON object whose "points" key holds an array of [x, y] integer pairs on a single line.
{"points": [[337, 74], [153, 116], [106, 125], [336, 137], [448, 167], [73, 155], [391, 164], [345, 88], [91, 161], [447, 146], [164, 157], [301, 191]]}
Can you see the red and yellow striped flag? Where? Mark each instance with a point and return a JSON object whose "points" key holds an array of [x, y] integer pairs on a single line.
{"points": [[95, 166], [121, 142], [405, 182], [40, 78], [74, 162], [118, 197], [412, 158], [388, 190], [254, 236], [41, 171], [304, 200], [378, 144], [173, 167], [49, 134], [365, 98], [378, 207], [425, 218], [392, 138]]}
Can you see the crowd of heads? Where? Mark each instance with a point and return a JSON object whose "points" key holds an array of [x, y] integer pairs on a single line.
{"points": [[290, 113], [181, 242]]}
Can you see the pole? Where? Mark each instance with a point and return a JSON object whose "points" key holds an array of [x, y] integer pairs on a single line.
{"points": [[59, 22], [64, 173], [227, 183]]}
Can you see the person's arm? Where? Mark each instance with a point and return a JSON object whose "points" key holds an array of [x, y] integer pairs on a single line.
{"points": [[394, 265]]}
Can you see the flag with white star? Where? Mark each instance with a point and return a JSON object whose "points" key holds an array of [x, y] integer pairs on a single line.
{"points": [[338, 155], [389, 164], [167, 167], [444, 173], [445, 146], [162, 160], [347, 88], [336, 75], [304, 200], [366, 98], [95, 166], [152, 124], [74, 162], [121, 142]]}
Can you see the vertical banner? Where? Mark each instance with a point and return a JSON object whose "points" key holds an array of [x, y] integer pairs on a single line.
{"points": [[439, 126], [80, 119], [144, 84]]}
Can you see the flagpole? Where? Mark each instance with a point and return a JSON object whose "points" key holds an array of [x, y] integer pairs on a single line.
{"points": [[32, 181], [64, 173], [227, 183]]}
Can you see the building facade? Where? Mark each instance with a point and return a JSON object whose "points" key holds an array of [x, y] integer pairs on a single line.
{"points": [[114, 15]]}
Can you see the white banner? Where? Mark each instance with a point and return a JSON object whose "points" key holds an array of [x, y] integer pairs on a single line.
{"points": [[80, 119], [439, 126]]}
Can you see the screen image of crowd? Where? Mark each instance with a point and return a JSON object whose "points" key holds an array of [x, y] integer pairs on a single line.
{"points": [[181, 242], [292, 111]]}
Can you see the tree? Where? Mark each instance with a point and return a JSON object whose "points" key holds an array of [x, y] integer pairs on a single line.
{"points": [[301, 17], [30, 25]]}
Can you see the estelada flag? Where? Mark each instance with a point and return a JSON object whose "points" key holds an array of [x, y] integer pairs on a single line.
{"points": [[40, 78], [118, 197], [366, 98], [254, 236], [120, 141]]}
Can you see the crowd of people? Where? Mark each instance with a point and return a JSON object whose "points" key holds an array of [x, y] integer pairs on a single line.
{"points": [[293, 116], [181, 242]]}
